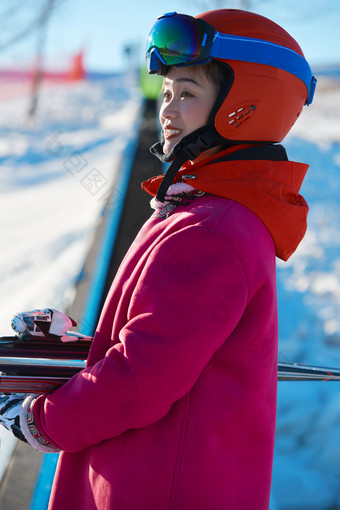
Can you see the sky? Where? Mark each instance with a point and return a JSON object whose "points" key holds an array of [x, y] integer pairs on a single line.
{"points": [[103, 28]]}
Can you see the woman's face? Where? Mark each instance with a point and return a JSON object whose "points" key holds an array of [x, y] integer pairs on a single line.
{"points": [[188, 98]]}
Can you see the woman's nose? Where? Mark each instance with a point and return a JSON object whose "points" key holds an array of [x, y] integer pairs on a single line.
{"points": [[169, 110]]}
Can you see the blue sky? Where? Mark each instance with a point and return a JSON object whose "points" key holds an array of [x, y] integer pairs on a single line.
{"points": [[103, 28]]}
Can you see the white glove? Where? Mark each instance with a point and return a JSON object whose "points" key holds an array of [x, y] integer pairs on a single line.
{"points": [[43, 323], [10, 407], [16, 416]]}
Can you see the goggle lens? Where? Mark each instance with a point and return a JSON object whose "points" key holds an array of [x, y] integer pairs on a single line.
{"points": [[178, 39]]}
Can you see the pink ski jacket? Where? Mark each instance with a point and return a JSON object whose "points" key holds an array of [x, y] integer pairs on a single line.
{"points": [[176, 408]]}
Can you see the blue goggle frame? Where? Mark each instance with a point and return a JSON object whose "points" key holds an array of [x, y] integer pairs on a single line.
{"points": [[181, 40]]}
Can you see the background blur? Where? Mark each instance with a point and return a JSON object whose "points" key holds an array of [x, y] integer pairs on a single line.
{"points": [[112, 33], [71, 111]]}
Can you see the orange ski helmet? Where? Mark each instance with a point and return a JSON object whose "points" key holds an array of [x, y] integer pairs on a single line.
{"points": [[268, 78], [264, 101]]}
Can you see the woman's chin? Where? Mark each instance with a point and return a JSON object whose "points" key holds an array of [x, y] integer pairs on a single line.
{"points": [[166, 149], [168, 146]]}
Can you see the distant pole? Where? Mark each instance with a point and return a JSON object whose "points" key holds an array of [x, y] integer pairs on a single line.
{"points": [[38, 70]]}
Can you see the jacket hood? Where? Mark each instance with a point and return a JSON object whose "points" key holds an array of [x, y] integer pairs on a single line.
{"points": [[269, 188]]}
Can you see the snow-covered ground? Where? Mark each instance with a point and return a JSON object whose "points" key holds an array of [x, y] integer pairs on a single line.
{"points": [[55, 175]]}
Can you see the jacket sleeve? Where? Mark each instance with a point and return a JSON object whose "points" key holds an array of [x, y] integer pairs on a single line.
{"points": [[189, 298]]}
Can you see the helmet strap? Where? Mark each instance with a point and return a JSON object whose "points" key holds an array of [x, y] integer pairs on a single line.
{"points": [[189, 148]]}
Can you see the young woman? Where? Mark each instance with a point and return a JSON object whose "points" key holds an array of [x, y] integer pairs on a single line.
{"points": [[176, 408]]}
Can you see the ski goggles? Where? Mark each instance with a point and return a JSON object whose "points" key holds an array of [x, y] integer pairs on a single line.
{"points": [[181, 40]]}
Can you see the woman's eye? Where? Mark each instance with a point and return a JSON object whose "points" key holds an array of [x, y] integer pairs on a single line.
{"points": [[166, 96]]}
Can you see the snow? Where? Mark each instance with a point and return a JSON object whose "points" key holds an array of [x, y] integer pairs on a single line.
{"points": [[55, 176], [307, 455]]}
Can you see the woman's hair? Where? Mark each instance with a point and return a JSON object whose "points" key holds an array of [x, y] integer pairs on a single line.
{"points": [[216, 72]]}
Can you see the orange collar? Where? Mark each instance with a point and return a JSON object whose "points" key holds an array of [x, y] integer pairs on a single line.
{"points": [[270, 189]]}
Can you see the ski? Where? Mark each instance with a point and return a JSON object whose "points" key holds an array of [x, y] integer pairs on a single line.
{"points": [[76, 347], [30, 384], [33, 363], [36, 375], [44, 375], [300, 372]]}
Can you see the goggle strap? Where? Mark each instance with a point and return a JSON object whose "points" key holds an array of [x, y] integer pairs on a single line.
{"points": [[310, 97], [258, 51]]}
